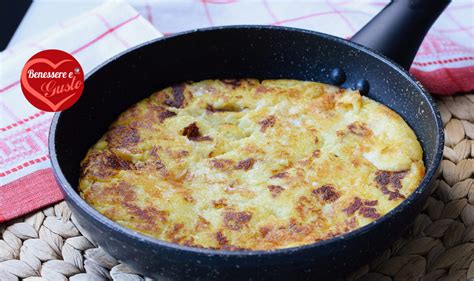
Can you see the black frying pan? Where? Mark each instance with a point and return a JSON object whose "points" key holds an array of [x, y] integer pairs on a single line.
{"points": [[263, 52]]}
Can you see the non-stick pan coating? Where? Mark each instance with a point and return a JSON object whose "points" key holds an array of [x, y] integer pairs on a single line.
{"points": [[240, 52]]}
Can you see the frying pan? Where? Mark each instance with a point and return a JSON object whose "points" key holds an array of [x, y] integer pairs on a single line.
{"points": [[375, 62]]}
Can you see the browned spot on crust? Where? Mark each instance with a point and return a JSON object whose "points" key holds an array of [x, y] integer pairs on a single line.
{"points": [[190, 243], [125, 192], [295, 227], [353, 206], [117, 163], [359, 129], [396, 178], [221, 239], [392, 195], [245, 165], [332, 234], [350, 224], [171, 234], [305, 161], [104, 164], [234, 83], [251, 148], [188, 198], [193, 134], [222, 164], [191, 131], [275, 190], [178, 96], [150, 214], [204, 138], [165, 115], [386, 178], [280, 175], [153, 165], [327, 193], [211, 109], [382, 178], [182, 153], [236, 220], [154, 152], [364, 207], [111, 213], [371, 203], [202, 224], [262, 89], [369, 212], [267, 123], [244, 192], [113, 194], [316, 153], [122, 136], [220, 203], [158, 165], [326, 102], [305, 207], [264, 230], [340, 133]]}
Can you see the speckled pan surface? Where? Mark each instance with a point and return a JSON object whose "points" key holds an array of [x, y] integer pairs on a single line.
{"points": [[239, 52]]}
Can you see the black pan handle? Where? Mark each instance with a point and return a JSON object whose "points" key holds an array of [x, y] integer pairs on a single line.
{"points": [[398, 30]]}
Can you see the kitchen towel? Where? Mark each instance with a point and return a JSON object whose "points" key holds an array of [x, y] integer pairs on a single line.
{"points": [[444, 64], [26, 180]]}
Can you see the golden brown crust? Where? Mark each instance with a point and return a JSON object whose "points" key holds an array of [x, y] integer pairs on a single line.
{"points": [[248, 164], [326, 193]]}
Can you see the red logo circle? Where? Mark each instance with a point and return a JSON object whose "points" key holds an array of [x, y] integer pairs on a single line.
{"points": [[52, 80]]}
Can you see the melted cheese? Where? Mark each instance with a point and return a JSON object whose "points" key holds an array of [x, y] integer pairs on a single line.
{"points": [[244, 164]]}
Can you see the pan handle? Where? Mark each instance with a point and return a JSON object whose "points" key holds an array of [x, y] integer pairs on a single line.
{"points": [[398, 30]]}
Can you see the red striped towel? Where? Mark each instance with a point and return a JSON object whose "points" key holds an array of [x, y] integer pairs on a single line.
{"points": [[26, 180], [444, 64]]}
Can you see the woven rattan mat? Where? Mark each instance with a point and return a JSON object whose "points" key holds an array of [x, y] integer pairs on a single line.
{"points": [[439, 246]]}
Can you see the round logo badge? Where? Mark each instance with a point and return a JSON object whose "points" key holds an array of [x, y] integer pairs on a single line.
{"points": [[52, 80]]}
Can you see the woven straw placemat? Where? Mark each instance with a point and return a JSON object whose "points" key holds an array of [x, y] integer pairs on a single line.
{"points": [[47, 245]]}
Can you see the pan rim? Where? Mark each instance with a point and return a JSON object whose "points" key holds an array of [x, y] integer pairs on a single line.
{"points": [[72, 195]]}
